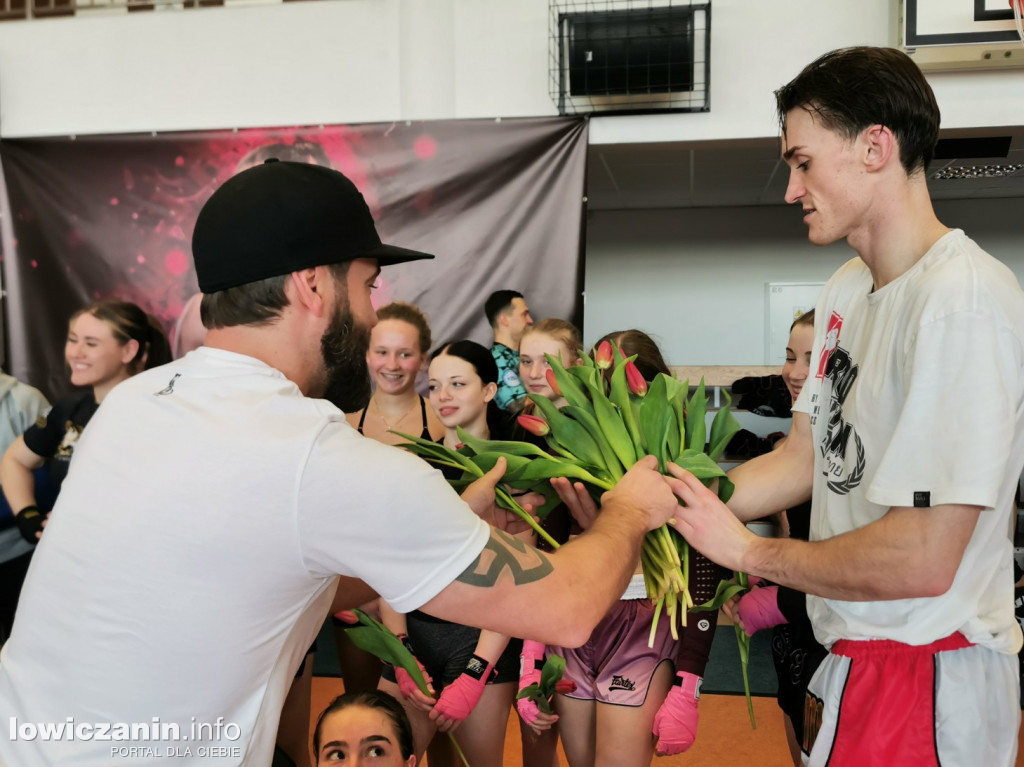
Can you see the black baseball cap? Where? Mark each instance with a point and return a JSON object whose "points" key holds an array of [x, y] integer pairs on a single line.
{"points": [[280, 217]]}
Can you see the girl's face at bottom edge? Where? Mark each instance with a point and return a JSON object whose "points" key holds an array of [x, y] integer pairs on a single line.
{"points": [[360, 736]]}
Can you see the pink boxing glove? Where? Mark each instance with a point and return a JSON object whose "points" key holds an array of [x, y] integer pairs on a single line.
{"points": [[460, 697], [759, 609], [531, 661], [675, 724]]}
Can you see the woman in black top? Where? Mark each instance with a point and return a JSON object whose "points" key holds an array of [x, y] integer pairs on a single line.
{"points": [[474, 672], [108, 342], [396, 355]]}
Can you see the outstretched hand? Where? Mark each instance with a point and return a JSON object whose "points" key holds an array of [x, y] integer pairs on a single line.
{"points": [[708, 524], [577, 499], [480, 496], [643, 488]]}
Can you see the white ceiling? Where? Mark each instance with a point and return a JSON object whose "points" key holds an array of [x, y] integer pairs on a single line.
{"points": [[750, 172]]}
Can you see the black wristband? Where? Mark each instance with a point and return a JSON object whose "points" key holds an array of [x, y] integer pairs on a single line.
{"points": [[404, 639], [793, 606], [476, 667], [30, 521]]}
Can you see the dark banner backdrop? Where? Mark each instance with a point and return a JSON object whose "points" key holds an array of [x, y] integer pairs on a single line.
{"points": [[499, 202]]}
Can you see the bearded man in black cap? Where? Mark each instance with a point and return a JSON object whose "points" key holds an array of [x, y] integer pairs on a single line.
{"points": [[167, 616]]}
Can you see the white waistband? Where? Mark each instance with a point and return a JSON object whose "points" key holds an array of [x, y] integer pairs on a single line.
{"points": [[636, 589]]}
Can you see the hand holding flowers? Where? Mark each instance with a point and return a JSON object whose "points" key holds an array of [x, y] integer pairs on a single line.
{"points": [[534, 698]]}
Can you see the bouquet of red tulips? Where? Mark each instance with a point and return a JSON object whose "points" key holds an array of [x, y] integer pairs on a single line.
{"points": [[613, 417]]}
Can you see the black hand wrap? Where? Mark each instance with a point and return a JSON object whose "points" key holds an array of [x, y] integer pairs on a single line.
{"points": [[30, 523]]}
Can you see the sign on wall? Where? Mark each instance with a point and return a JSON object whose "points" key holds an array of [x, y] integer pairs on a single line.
{"points": [[785, 302]]}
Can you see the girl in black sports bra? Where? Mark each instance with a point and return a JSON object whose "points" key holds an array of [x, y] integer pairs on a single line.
{"points": [[474, 672], [397, 352], [424, 432], [396, 355]]}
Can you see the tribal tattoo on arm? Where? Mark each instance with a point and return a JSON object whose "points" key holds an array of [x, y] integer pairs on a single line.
{"points": [[504, 553]]}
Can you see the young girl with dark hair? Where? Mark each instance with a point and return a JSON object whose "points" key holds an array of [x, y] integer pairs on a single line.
{"points": [[108, 342], [364, 728]]}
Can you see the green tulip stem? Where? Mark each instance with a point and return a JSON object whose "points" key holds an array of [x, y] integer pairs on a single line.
{"points": [[654, 622], [458, 749], [671, 609], [508, 502], [743, 641]]}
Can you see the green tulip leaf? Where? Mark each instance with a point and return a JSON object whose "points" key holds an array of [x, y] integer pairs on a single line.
{"points": [[614, 427], [567, 384], [696, 427], [506, 447], [723, 429], [726, 590], [590, 423], [569, 434]]}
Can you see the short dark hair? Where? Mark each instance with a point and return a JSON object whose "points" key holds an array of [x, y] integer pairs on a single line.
{"points": [[255, 303], [498, 302], [850, 89], [375, 699]]}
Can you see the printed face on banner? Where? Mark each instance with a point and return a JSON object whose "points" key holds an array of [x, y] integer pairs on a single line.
{"points": [[113, 217]]}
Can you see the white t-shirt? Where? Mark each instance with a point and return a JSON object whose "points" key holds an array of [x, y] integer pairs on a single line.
{"points": [[916, 398], [191, 560]]}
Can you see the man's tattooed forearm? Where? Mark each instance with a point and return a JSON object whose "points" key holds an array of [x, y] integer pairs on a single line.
{"points": [[506, 553]]}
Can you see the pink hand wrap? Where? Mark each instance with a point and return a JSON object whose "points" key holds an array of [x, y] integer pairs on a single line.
{"points": [[530, 661], [406, 685], [458, 699], [675, 724], [759, 609]]}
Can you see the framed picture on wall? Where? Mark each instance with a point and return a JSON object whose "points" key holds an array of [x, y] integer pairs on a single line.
{"points": [[785, 302], [960, 34]]}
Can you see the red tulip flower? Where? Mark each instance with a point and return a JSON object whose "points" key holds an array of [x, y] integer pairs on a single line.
{"points": [[565, 686], [549, 374], [635, 380], [604, 356], [536, 425]]}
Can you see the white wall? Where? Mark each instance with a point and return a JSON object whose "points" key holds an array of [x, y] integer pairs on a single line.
{"points": [[351, 61], [336, 61], [695, 278]]}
